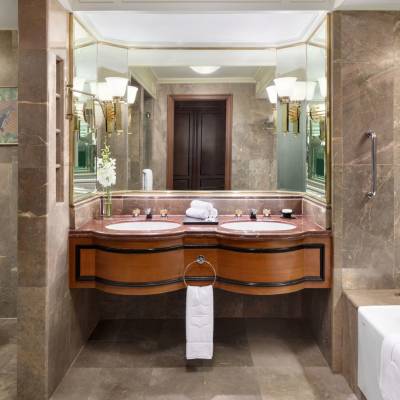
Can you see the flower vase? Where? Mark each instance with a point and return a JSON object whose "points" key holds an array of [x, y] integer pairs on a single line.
{"points": [[108, 203]]}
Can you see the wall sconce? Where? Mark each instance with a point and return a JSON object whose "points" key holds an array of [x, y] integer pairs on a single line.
{"points": [[272, 94], [110, 95], [323, 86]]}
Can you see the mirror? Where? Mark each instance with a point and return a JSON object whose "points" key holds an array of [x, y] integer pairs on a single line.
{"points": [[174, 122]]}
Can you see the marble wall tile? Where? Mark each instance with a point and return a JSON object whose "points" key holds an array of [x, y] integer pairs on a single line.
{"points": [[371, 98], [368, 225], [366, 94], [32, 21], [319, 213], [83, 212], [32, 75], [32, 343], [225, 206], [226, 305]]}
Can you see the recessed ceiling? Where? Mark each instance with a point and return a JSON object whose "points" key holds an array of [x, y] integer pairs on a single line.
{"points": [[268, 29]]}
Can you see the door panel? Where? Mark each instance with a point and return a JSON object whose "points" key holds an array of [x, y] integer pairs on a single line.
{"points": [[199, 145]]}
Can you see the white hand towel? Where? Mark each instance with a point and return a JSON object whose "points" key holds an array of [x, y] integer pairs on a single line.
{"points": [[199, 322], [389, 380], [200, 213], [201, 204]]}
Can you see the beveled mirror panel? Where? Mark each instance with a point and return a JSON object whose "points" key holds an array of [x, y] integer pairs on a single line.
{"points": [[177, 123]]}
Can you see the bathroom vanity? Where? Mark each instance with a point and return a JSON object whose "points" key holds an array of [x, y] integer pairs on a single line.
{"points": [[265, 257]]}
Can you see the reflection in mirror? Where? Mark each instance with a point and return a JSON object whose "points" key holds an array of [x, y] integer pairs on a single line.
{"points": [[176, 118]]}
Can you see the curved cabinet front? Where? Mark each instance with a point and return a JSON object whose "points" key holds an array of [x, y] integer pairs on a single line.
{"points": [[251, 267]]}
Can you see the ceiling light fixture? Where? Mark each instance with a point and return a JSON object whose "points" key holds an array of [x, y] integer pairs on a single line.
{"points": [[205, 69]]}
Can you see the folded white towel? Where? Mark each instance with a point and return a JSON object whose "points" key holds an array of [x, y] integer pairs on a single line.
{"points": [[389, 380], [201, 204], [200, 213], [199, 322], [213, 213]]}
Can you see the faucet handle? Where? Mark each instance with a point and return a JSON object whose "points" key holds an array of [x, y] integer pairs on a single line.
{"points": [[164, 212], [136, 212], [253, 213], [238, 213]]}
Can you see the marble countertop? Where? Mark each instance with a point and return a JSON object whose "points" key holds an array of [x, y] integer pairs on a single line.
{"points": [[98, 227], [373, 297]]}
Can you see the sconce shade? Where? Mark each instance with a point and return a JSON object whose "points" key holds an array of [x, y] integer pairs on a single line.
{"points": [[300, 91], [311, 85], [272, 94], [117, 86], [132, 92], [93, 88], [79, 84], [285, 86], [205, 70], [323, 86], [103, 91]]}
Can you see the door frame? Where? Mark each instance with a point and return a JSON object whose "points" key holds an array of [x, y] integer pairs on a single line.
{"points": [[171, 132]]}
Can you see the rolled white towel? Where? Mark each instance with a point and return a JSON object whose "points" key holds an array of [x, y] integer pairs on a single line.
{"points": [[201, 204], [199, 213]]}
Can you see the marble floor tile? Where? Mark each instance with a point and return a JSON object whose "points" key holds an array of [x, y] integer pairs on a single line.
{"points": [[329, 386], [253, 360], [231, 383], [176, 384], [281, 383]]}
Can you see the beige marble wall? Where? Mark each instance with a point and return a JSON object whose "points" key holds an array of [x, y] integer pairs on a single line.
{"points": [[253, 143], [227, 305], [53, 322], [366, 95]]}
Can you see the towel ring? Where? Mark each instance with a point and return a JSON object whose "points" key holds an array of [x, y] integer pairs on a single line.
{"points": [[199, 260]]}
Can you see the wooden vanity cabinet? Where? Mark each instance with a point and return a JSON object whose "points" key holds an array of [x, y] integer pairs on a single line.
{"points": [[257, 267]]}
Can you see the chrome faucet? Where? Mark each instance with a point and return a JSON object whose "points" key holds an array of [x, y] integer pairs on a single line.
{"points": [[148, 213], [253, 214]]}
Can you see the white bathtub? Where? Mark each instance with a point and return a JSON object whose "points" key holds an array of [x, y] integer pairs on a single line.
{"points": [[374, 323]]}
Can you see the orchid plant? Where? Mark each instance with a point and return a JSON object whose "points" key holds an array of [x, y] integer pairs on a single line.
{"points": [[106, 176]]}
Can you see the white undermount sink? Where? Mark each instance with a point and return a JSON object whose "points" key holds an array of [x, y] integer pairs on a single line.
{"points": [[143, 226], [258, 226]]}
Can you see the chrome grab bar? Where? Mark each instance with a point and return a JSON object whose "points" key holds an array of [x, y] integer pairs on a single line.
{"points": [[372, 135]]}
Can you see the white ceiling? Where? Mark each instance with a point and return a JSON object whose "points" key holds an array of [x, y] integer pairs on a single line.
{"points": [[267, 29], [231, 5]]}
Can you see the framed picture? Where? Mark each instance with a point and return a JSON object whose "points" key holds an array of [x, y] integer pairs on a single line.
{"points": [[8, 116]]}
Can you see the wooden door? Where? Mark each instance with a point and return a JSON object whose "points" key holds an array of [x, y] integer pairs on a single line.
{"points": [[199, 145]]}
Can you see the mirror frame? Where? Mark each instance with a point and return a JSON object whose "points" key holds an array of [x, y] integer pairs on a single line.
{"points": [[227, 193]]}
